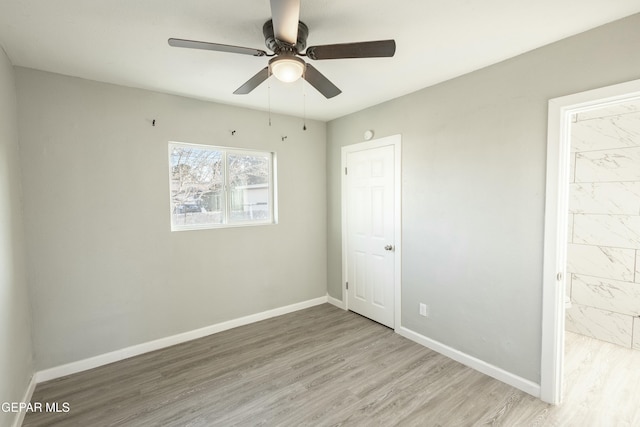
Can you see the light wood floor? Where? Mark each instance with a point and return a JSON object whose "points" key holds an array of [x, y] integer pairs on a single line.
{"points": [[324, 366]]}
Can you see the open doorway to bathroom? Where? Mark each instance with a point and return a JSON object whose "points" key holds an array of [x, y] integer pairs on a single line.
{"points": [[602, 282], [592, 232]]}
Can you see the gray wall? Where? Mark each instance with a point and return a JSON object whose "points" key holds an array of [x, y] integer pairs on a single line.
{"points": [[16, 358], [105, 270], [473, 191]]}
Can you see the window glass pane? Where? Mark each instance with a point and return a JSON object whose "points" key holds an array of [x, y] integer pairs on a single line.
{"points": [[249, 186], [197, 177]]}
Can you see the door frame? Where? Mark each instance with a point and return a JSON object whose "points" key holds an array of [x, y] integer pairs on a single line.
{"points": [[396, 142], [555, 224]]}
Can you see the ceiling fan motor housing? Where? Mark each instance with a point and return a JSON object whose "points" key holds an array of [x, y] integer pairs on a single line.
{"points": [[278, 46]]}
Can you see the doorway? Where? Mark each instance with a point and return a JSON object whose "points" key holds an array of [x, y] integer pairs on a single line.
{"points": [[561, 112], [371, 230]]}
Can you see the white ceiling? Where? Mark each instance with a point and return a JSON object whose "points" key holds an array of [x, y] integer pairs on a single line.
{"points": [[125, 42]]}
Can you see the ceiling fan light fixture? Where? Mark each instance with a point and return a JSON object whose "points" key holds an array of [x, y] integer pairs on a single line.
{"points": [[287, 68]]}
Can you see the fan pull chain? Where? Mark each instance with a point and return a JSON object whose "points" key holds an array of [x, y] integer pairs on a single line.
{"points": [[304, 107], [269, 101]]}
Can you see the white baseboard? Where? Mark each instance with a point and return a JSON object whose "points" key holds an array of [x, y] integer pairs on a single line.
{"points": [[114, 356], [334, 301], [27, 398], [479, 365], [82, 365]]}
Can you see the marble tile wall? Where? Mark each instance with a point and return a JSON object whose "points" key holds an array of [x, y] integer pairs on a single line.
{"points": [[603, 259]]}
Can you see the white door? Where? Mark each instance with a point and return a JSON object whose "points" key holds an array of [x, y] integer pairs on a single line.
{"points": [[370, 223]]}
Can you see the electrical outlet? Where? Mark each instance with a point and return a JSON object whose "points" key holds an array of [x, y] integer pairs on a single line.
{"points": [[424, 310]]}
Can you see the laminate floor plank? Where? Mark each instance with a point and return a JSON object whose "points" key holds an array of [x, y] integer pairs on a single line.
{"points": [[326, 367]]}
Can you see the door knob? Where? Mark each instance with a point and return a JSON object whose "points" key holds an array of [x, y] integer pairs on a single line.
{"points": [[388, 248]]}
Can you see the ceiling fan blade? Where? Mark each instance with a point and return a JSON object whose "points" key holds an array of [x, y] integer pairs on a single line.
{"points": [[192, 44], [253, 82], [374, 49], [320, 82], [285, 15]]}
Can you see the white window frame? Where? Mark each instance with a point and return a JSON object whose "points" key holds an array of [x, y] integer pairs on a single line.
{"points": [[226, 192]]}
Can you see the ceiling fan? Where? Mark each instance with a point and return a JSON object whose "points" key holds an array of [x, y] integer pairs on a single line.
{"points": [[286, 37]]}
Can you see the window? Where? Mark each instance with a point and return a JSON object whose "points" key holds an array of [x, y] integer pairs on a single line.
{"points": [[220, 187]]}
